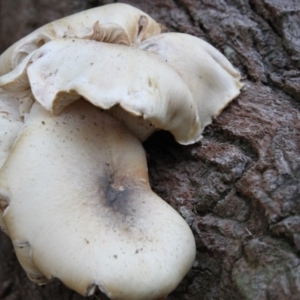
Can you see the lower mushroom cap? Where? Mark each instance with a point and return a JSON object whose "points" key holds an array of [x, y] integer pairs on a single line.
{"points": [[10, 124], [81, 209], [13, 109]]}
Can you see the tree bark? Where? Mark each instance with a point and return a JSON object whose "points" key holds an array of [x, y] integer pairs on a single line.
{"points": [[239, 187]]}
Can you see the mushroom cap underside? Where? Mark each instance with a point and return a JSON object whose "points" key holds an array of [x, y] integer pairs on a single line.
{"points": [[114, 23], [77, 183]]}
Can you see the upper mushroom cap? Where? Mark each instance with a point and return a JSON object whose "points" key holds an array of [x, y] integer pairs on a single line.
{"points": [[211, 78], [113, 23], [109, 75], [80, 208]]}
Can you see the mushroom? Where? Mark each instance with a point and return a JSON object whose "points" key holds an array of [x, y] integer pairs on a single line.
{"points": [[211, 78], [64, 70], [74, 189], [13, 107], [96, 222], [112, 23], [77, 184]]}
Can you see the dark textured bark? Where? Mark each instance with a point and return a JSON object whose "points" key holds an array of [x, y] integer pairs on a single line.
{"points": [[239, 187]]}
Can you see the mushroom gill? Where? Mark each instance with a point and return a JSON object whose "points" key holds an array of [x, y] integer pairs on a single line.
{"points": [[117, 23]]}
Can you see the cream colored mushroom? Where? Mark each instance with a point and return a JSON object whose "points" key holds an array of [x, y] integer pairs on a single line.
{"points": [[10, 123], [113, 23], [79, 208], [76, 180], [211, 78], [96, 206], [143, 92], [14, 107]]}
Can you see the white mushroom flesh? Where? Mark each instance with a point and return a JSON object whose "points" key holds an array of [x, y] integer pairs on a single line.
{"points": [[78, 187], [211, 78], [10, 123], [109, 76]]}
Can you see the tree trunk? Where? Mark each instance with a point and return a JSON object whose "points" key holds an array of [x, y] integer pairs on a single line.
{"points": [[239, 187]]}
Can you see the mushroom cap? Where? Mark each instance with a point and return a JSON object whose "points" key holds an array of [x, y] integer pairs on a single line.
{"points": [[78, 187], [14, 107], [10, 123], [211, 78], [113, 23], [110, 76]]}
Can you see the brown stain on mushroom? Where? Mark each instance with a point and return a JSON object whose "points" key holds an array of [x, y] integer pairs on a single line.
{"points": [[153, 84], [40, 43], [142, 24], [109, 33], [3, 205]]}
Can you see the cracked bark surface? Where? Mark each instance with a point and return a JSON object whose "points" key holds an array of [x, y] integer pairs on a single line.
{"points": [[239, 187]]}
